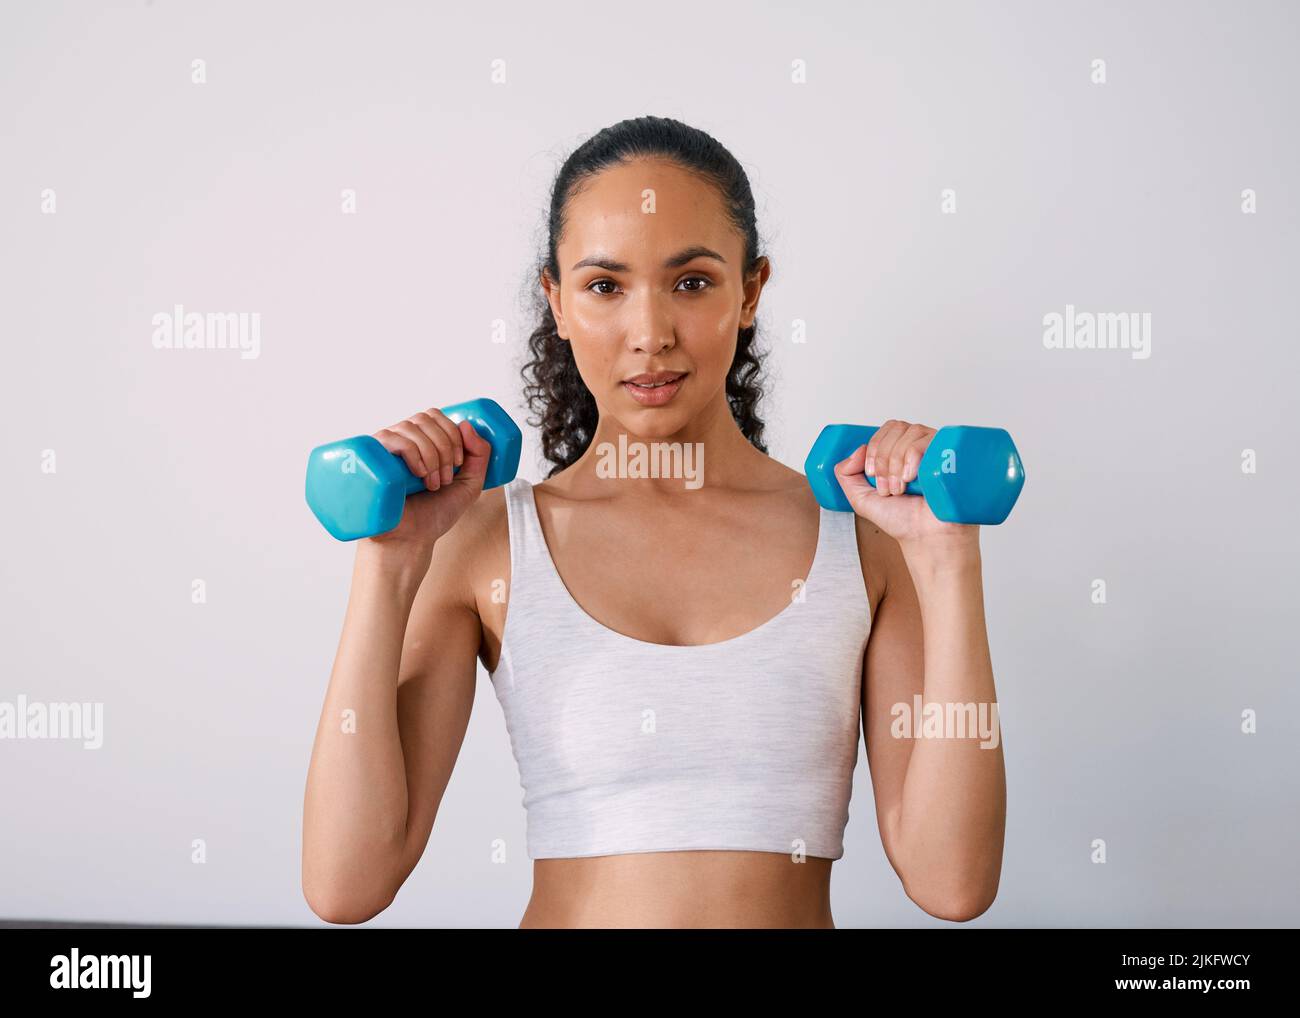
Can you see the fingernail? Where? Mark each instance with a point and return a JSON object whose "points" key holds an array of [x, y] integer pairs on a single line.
{"points": [[894, 487], [446, 475], [871, 466]]}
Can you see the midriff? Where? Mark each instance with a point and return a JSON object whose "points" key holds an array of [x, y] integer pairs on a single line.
{"points": [[714, 889]]}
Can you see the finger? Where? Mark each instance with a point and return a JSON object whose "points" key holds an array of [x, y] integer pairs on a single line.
{"points": [[873, 446], [402, 446], [851, 471], [851, 474], [452, 431], [478, 453], [893, 430], [922, 446], [428, 451], [904, 456], [427, 423]]}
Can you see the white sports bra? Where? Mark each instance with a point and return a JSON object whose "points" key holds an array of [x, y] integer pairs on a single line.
{"points": [[627, 746]]}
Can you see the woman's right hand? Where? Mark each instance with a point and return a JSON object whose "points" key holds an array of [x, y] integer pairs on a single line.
{"points": [[431, 445]]}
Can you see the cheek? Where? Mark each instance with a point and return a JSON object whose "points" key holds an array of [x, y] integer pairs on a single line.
{"points": [[709, 337], [711, 323], [724, 339], [594, 357], [589, 335], [583, 324]]}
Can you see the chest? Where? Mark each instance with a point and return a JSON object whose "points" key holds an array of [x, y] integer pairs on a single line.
{"points": [[685, 575]]}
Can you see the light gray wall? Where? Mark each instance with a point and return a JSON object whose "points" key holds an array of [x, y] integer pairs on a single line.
{"points": [[1123, 721]]}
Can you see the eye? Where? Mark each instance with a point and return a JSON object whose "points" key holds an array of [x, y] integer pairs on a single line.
{"points": [[700, 279], [592, 286]]}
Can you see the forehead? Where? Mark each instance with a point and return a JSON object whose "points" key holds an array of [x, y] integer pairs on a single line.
{"points": [[608, 214]]}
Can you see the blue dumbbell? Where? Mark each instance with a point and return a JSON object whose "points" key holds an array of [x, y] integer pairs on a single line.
{"points": [[967, 475], [357, 488]]}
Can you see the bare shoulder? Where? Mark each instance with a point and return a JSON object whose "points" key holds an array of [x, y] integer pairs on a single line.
{"points": [[878, 553], [779, 477]]}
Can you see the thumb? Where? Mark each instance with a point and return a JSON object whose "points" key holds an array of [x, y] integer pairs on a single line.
{"points": [[853, 482], [478, 452]]}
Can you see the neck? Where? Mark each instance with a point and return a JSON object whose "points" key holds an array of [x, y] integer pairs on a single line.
{"points": [[709, 450]]}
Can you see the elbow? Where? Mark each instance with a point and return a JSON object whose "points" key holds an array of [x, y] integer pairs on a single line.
{"points": [[340, 901], [959, 911], [970, 903], [342, 911], [346, 889]]}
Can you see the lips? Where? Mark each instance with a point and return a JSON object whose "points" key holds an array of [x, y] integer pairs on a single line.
{"points": [[654, 388], [653, 378]]}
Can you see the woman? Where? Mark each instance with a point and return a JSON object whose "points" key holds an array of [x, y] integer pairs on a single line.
{"points": [[681, 654]]}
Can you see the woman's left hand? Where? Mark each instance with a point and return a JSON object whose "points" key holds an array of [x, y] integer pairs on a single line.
{"points": [[892, 458]]}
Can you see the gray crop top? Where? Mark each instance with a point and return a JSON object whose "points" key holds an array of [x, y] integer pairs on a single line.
{"points": [[626, 746]]}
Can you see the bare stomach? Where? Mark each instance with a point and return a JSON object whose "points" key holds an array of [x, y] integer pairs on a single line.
{"points": [[680, 889]]}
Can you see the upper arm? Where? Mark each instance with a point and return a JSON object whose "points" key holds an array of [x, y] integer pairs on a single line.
{"points": [[893, 673], [438, 672]]}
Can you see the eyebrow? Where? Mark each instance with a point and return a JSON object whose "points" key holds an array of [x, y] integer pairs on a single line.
{"points": [[607, 263]]}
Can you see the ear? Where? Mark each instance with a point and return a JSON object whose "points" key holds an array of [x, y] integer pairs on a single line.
{"points": [[552, 291], [753, 286]]}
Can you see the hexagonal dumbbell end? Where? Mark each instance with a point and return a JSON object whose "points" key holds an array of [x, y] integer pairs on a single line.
{"points": [[836, 442], [356, 488], [971, 474], [968, 474]]}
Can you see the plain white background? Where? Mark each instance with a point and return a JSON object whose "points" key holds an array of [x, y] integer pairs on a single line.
{"points": [[1122, 722]]}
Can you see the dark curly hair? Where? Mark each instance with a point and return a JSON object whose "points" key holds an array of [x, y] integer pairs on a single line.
{"points": [[554, 391]]}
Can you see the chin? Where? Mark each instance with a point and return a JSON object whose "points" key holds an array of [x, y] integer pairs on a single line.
{"points": [[654, 422]]}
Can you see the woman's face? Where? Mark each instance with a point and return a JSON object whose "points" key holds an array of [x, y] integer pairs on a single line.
{"points": [[651, 284]]}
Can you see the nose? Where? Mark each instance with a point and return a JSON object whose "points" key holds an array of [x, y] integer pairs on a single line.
{"points": [[651, 329]]}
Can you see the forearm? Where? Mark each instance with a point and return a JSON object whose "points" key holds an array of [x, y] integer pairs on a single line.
{"points": [[953, 813], [354, 817]]}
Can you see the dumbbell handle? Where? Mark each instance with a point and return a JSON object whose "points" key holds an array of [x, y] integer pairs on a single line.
{"points": [[967, 474], [413, 483], [357, 488], [457, 413], [912, 487]]}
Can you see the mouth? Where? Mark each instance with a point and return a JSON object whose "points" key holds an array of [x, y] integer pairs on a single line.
{"points": [[655, 388]]}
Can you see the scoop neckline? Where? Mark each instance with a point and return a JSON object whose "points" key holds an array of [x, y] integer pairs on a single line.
{"points": [[592, 621]]}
